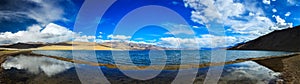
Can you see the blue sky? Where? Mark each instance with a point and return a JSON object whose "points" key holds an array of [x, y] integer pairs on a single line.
{"points": [[243, 20]]}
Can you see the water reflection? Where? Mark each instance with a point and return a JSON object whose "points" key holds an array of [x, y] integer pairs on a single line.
{"points": [[248, 72], [37, 65], [58, 72]]}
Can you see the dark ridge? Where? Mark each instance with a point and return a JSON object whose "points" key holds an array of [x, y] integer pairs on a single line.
{"points": [[278, 40], [62, 44], [32, 45], [22, 46]]}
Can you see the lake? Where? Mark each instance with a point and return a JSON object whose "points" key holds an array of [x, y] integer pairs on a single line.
{"points": [[170, 57], [37, 70]]}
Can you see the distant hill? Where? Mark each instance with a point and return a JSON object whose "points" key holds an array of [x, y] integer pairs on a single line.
{"points": [[31, 45], [279, 40], [83, 46], [132, 46]]}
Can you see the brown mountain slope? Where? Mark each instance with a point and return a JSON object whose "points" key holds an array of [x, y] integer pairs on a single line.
{"points": [[84, 46], [32, 45], [279, 40], [133, 46]]}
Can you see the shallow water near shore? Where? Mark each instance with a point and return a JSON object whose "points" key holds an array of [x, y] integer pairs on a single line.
{"points": [[37, 70], [157, 57]]}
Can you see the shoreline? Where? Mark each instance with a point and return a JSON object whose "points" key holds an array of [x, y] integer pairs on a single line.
{"points": [[154, 67], [288, 66], [285, 64]]}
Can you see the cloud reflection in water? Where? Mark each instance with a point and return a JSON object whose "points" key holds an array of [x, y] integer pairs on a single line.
{"points": [[37, 65]]}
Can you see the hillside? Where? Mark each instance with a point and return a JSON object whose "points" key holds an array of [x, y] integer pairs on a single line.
{"points": [[75, 46], [83, 46], [279, 40], [132, 46]]}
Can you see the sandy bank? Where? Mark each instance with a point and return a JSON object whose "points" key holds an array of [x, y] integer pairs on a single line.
{"points": [[288, 65]]}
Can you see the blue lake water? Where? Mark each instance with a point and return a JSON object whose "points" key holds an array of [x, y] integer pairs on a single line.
{"points": [[169, 57], [36, 70]]}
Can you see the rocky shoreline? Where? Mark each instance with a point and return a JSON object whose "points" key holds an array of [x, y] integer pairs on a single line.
{"points": [[287, 65]]}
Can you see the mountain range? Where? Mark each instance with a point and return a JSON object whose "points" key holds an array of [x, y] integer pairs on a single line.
{"points": [[83, 46], [279, 40]]}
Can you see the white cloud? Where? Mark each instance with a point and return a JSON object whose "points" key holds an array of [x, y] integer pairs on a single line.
{"points": [[56, 29], [48, 12], [51, 33], [210, 10], [11, 16], [255, 26], [119, 37], [293, 2], [207, 13], [180, 29], [124, 38], [37, 65], [279, 20], [100, 35], [196, 27], [274, 10], [142, 42], [251, 14], [230, 13], [205, 41], [287, 14], [85, 38], [267, 2], [42, 11], [281, 23]]}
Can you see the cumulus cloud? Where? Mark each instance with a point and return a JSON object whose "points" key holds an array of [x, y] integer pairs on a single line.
{"points": [[231, 13], [37, 65], [251, 14], [267, 2], [85, 38], [209, 10], [257, 25], [199, 16], [274, 10], [52, 33], [280, 23], [205, 41], [119, 37], [287, 14]]}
